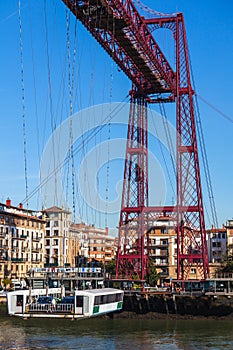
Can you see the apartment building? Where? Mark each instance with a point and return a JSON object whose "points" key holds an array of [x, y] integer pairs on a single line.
{"points": [[21, 240], [217, 244], [163, 247], [56, 237], [78, 246], [101, 246], [229, 229]]}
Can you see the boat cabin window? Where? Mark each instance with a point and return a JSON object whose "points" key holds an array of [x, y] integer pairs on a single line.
{"points": [[107, 299], [19, 300], [119, 297]]}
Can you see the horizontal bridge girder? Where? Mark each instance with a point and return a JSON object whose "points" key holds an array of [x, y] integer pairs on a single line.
{"points": [[160, 209], [128, 40]]}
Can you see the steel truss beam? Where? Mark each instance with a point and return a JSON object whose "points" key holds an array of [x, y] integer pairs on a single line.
{"points": [[122, 32]]}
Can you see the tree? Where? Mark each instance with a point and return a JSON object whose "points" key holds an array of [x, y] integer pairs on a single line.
{"points": [[153, 277], [110, 267], [227, 263], [6, 282]]}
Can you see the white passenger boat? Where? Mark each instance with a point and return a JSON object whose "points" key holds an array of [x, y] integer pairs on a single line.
{"points": [[82, 304]]}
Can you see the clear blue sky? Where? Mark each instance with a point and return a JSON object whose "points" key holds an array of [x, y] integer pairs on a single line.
{"points": [[209, 26]]}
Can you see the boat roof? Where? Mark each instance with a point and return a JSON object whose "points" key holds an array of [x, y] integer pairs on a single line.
{"points": [[98, 291]]}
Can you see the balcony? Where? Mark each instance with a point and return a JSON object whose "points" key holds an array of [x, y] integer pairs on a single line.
{"points": [[3, 258], [15, 248], [36, 239], [163, 273], [15, 237], [161, 263], [35, 250], [160, 253], [25, 249], [51, 265], [17, 260], [162, 245], [36, 261]]}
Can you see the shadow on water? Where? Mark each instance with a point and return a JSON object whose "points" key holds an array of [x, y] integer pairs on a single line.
{"points": [[98, 333]]}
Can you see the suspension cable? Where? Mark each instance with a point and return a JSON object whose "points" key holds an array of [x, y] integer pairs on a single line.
{"points": [[109, 138], [35, 90], [71, 88], [206, 166], [204, 155], [224, 115], [163, 156], [168, 136], [108, 154], [79, 148], [23, 103], [53, 122], [149, 11]]}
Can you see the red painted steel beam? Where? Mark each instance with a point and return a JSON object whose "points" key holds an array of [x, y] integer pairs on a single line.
{"points": [[159, 209]]}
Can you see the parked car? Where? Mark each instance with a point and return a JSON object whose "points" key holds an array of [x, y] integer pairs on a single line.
{"points": [[67, 300], [44, 300]]}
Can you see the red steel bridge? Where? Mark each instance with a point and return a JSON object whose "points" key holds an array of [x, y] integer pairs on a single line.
{"points": [[128, 38]]}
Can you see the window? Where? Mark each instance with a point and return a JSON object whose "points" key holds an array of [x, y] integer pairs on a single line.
{"points": [[79, 301], [164, 230], [19, 300]]}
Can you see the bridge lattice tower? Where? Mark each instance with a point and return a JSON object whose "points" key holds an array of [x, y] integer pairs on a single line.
{"points": [[127, 37]]}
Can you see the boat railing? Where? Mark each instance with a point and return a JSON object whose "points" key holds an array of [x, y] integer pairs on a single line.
{"points": [[49, 308]]}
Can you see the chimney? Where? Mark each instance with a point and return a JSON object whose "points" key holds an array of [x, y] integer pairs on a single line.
{"points": [[8, 202], [20, 205]]}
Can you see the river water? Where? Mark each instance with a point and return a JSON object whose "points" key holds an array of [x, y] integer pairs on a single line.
{"points": [[111, 334]]}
